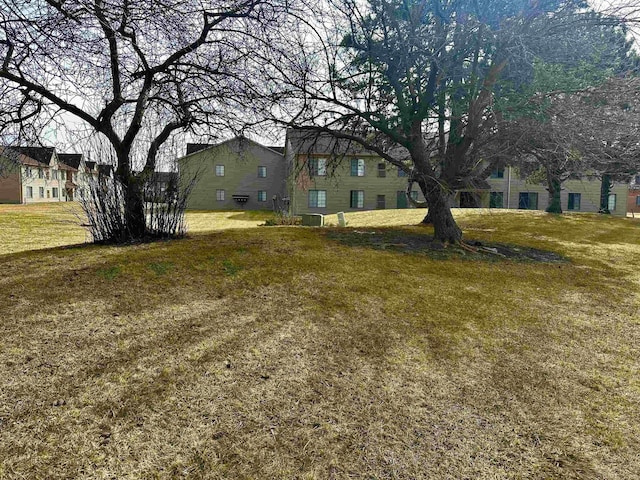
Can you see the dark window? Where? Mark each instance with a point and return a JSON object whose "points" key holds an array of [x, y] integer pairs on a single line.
{"points": [[497, 173], [357, 199], [401, 199], [574, 201], [262, 195], [382, 170], [496, 200], [638, 201], [401, 173], [381, 202], [262, 172], [528, 201]]}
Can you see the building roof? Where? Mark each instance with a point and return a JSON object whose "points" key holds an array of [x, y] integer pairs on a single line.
{"points": [[90, 165], [308, 141], [197, 147], [71, 159], [40, 154], [105, 169]]}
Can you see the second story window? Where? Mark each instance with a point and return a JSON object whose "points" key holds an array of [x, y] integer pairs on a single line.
{"points": [[318, 167], [262, 172], [219, 170], [357, 167], [75, 176], [401, 173], [27, 172], [40, 173], [54, 174], [382, 169], [497, 173]]}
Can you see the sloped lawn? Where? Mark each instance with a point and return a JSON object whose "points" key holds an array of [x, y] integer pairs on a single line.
{"points": [[285, 353]]}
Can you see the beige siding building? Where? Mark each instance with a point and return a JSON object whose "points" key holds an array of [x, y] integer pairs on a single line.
{"points": [[508, 190], [34, 175], [236, 174]]}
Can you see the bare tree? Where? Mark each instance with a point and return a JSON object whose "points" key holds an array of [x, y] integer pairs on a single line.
{"points": [[416, 81], [135, 72]]}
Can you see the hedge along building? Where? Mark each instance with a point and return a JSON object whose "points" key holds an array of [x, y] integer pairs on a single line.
{"points": [[236, 174], [328, 176]]}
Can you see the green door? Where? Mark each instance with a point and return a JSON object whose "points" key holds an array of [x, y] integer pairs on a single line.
{"points": [[401, 199]]}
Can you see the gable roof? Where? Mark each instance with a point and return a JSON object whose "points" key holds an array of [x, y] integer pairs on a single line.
{"points": [[71, 159], [198, 147], [39, 154]]}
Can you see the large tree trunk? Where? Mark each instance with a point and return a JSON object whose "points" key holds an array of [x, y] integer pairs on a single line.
{"points": [[445, 228], [134, 208], [555, 186], [605, 191]]}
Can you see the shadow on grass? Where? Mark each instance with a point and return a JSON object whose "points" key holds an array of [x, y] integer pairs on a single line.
{"points": [[406, 241]]}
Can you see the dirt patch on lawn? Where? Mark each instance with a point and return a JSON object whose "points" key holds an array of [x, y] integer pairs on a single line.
{"points": [[415, 242]]}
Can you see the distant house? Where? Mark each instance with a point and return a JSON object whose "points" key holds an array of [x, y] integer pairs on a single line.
{"points": [[236, 174], [34, 175]]}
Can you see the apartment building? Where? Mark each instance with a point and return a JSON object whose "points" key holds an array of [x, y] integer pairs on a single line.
{"points": [[35, 175], [508, 190], [236, 174], [360, 181]]}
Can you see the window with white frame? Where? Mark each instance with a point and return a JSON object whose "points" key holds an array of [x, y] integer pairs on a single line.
{"points": [[27, 172], [496, 199], [41, 192], [262, 195], [220, 195], [40, 173], [317, 198], [357, 199], [54, 192], [262, 172], [611, 204], [318, 167], [357, 167], [220, 171], [29, 192], [63, 175], [54, 174]]}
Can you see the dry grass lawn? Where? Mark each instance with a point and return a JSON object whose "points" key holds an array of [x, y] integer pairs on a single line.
{"points": [[276, 352]]}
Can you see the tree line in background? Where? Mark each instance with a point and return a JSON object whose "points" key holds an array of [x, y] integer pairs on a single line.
{"points": [[445, 90]]}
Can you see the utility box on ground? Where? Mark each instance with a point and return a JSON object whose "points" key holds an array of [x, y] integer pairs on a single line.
{"points": [[313, 220]]}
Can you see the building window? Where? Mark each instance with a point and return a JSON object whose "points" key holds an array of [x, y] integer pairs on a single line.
{"points": [[41, 192], [40, 173], [497, 173], [262, 172], [318, 167], [28, 172], [611, 204], [54, 174], [528, 201], [48, 193], [29, 192], [496, 200], [574, 201], [220, 195], [382, 170], [401, 173], [638, 201], [357, 199], [317, 198], [220, 171], [357, 167], [262, 195], [54, 192], [63, 175], [75, 176], [381, 202], [637, 180]]}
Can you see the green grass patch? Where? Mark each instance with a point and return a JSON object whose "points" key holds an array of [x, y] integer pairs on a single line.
{"points": [[109, 273]]}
